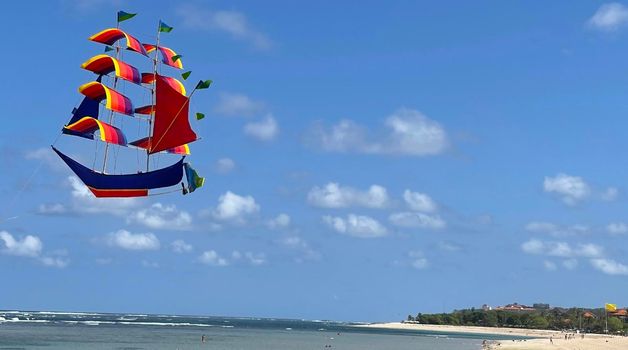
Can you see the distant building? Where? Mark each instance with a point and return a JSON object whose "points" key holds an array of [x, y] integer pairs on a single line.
{"points": [[487, 307], [541, 306], [515, 307], [621, 313]]}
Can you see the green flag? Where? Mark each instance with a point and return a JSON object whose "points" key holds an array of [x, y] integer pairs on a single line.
{"points": [[163, 27], [186, 75], [176, 58], [199, 116], [123, 16], [108, 48], [203, 84]]}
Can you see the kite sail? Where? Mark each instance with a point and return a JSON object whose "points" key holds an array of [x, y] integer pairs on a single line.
{"points": [[163, 125]]}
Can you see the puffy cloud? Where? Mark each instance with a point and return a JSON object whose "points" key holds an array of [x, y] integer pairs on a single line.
{"points": [[224, 165], [609, 17], [159, 216], [609, 266], [356, 225], [232, 23], [571, 189], [180, 246], [555, 230], [549, 266], [570, 264], [264, 130], [210, 257], [408, 133], [235, 208], [417, 220], [237, 105], [281, 221], [29, 246], [133, 241], [57, 262], [617, 228], [299, 244], [46, 156], [417, 260], [610, 194], [52, 209], [333, 195], [419, 202], [250, 258], [561, 249]]}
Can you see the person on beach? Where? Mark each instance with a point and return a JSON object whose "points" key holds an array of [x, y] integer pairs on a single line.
{"points": [[551, 340]]}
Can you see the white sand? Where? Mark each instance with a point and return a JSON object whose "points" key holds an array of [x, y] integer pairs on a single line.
{"points": [[590, 341]]}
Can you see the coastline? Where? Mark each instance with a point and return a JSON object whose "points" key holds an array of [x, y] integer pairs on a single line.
{"points": [[540, 341]]}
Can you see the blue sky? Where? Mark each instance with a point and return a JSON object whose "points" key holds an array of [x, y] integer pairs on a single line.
{"points": [[361, 162]]}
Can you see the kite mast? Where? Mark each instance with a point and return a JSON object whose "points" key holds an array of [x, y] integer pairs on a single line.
{"points": [[115, 82], [153, 99]]}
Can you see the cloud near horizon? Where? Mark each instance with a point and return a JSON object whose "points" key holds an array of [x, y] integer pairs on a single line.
{"points": [[408, 132]]}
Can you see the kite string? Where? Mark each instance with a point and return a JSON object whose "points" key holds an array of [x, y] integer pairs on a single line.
{"points": [[11, 203]]}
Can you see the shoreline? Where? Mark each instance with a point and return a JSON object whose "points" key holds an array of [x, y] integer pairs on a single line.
{"points": [[539, 338]]}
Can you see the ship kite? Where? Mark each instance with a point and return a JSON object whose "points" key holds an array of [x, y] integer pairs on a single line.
{"points": [[164, 122]]}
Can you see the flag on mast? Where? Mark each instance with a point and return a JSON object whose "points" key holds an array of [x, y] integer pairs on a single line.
{"points": [[123, 16], [610, 307], [163, 27]]}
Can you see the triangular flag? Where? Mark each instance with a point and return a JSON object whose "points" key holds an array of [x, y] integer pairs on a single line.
{"points": [[108, 48], [203, 84], [186, 75], [199, 116], [163, 27], [123, 16], [176, 58]]}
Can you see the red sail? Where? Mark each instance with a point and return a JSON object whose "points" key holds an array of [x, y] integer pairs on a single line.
{"points": [[172, 126]]}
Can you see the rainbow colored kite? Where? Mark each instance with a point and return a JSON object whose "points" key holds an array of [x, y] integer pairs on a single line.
{"points": [[164, 122]]}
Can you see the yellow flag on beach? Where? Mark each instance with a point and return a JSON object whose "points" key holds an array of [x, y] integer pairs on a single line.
{"points": [[610, 307]]}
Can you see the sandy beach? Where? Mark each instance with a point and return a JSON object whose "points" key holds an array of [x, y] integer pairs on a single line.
{"points": [[541, 341]]}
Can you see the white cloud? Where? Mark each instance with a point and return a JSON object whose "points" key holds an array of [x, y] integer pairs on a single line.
{"points": [[408, 133], [417, 260], [180, 246], [46, 156], [264, 130], [29, 246], [238, 105], [449, 246], [281, 221], [232, 23], [419, 202], [57, 262], [52, 209], [235, 208], [224, 165], [85, 202], [610, 194], [299, 244], [555, 230], [609, 266], [159, 216], [617, 228], [356, 226], [549, 266], [562, 249], [609, 17], [133, 241], [571, 189], [333, 195], [255, 258], [417, 220], [570, 264], [210, 257]]}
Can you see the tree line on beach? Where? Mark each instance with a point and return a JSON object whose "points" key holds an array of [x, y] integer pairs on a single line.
{"points": [[586, 320]]}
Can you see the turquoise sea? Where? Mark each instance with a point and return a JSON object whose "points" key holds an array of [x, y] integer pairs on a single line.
{"points": [[59, 330]]}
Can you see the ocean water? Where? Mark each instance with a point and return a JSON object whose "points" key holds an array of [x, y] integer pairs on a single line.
{"points": [[52, 331]]}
